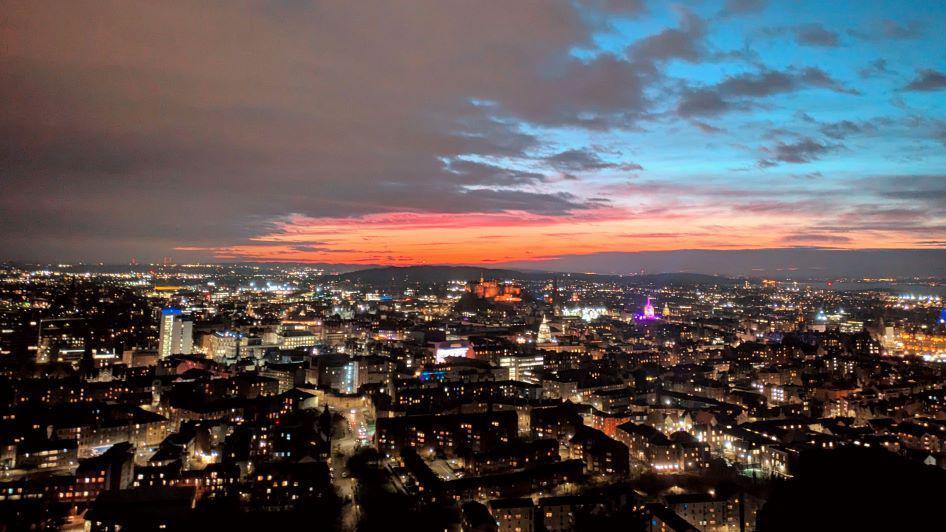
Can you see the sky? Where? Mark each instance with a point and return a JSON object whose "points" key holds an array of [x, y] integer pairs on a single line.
{"points": [[459, 132]]}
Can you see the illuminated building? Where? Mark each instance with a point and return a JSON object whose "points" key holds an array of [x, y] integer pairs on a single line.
{"points": [[490, 348], [453, 433], [714, 513], [176, 335], [652, 448], [545, 332], [648, 314], [281, 486], [47, 455], [494, 290], [602, 454], [227, 346], [929, 345], [516, 455], [521, 367], [586, 313], [513, 515], [297, 339], [851, 326], [137, 427], [112, 470], [552, 298], [559, 513], [291, 339], [455, 348], [338, 372]]}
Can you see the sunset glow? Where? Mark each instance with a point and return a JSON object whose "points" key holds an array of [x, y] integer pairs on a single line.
{"points": [[449, 238]]}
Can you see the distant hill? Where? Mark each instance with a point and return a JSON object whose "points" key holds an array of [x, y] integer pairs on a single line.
{"points": [[661, 279], [779, 263], [426, 274], [399, 275]]}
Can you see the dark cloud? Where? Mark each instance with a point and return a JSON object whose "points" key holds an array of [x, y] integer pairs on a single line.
{"points": [[815, 77], [765, 83], [468, 173], [845, 128], [732, 92], [924, 188], [926, 128], [810, 175], [887, 29], [908, 204], [805, 117], [916, 228], [812, 34], [481, 133], [897, 30], [769, 82], [816, 238], [706, 128], [877, 67], [816, 35], [154, 125], [517, 200], [803, 150], [620, 7], [781, 207], [927, 80], [313, 248], [602, 93], [939, 133], [577, 160], [739, 7], [702, 103], [684, 42]]}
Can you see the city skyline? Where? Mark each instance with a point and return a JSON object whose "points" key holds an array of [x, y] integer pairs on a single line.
{"points": [[442, 133], [472, 265]]}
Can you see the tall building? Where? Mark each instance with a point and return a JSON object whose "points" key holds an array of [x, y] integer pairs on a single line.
{"points": [[545, 332], [177, 334]]}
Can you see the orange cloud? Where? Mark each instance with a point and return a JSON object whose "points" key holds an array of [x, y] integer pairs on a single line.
{"points": [[401, 238]]}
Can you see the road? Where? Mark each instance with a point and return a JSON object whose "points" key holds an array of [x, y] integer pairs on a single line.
{"points": [[342, 449]]}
